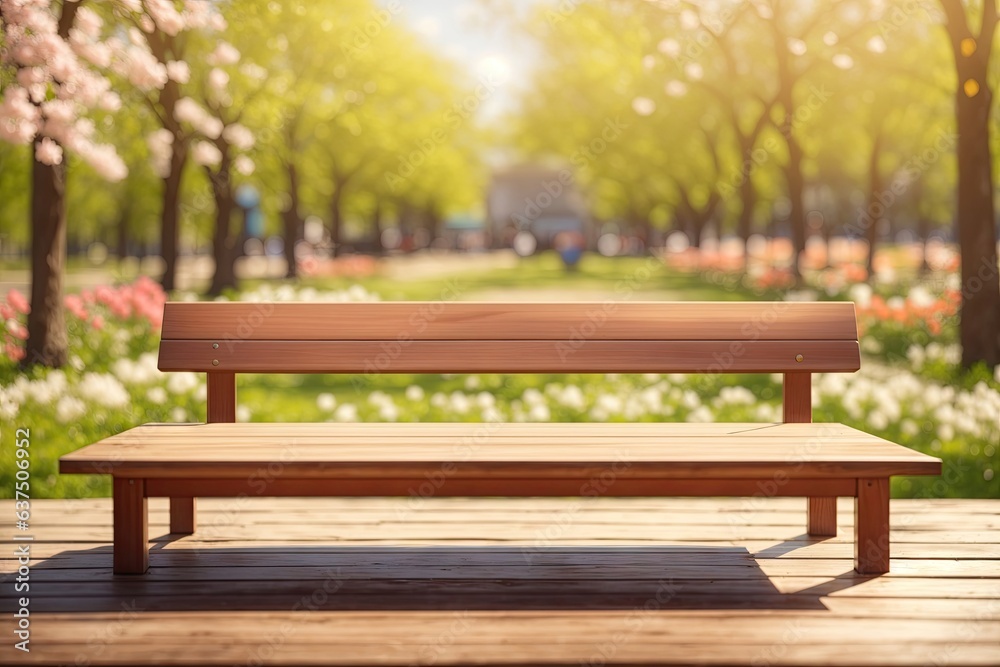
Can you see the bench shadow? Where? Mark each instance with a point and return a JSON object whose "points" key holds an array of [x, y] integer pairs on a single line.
{"points": [[508, 578]]}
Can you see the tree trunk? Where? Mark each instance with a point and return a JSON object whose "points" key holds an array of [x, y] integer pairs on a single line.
{"points": [[293, 222], [872, 217], [748, 200], [796, 193], [433, 218], [224, 276], [923, 231], [377, 226], [47, 340], [980, 312], [170, 221], [122, 231], [336, 218], [979, 328]]}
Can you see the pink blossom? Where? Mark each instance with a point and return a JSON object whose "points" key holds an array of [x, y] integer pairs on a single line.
{"points": [[18, 331], [224, 54], [105, 295], [238, 136], [97, 322], [29, 76], [178, 71], [166, 16], [103, 159], [160, 144], [18, 301], [48, 152], [96, 53], [75, 306], [205, 154], [244, 165], [141, 68], [13, 351], [88, 23], [189, 111], [218, 80], [18, 117]]}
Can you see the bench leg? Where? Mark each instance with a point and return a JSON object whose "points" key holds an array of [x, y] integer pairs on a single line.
{"points": [[131, 530], [871, 526], [822, 517], [182, 515]]}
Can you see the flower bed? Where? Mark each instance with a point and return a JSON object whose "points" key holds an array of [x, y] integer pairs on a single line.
{"points": [[112, 384]]}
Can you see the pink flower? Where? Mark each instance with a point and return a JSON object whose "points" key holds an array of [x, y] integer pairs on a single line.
{"points": [[48, 152], [97, 322], [13, 351], [75, 306], [18, 302]]}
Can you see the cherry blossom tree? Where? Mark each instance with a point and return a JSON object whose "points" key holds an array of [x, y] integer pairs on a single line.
{"points": [[50, 62], [220, 146], [158, 42]]}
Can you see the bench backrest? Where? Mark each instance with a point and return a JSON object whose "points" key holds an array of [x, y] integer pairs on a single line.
{"points": [[223, 339]]}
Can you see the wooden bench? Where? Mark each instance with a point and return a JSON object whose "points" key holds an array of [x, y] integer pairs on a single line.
{"points": [[221, 458]]}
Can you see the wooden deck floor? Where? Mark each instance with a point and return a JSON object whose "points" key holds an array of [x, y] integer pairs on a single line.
{"points": [[372, 581]]}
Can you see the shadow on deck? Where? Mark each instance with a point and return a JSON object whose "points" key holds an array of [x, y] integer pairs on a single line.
{"points": [[508, 581]]}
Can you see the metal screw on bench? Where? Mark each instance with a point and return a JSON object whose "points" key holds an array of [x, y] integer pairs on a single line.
{"points": [[215, 362], [799, 357], [215, 346]]}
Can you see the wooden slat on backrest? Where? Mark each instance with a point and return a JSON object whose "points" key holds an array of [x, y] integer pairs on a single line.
{"points": [[761, 320], [505, 337]]}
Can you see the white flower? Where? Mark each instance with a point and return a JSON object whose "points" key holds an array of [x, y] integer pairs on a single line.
{"points": [[103, 389], [243, 413], [414, 393], [182, 383], [700, 415], [861, 294], [178, 415], [609, 403], [472, 382], [69, 408], [572, 397], [346, 412], [460, 403], [539, 413], [388, 412], [157, 395], [946, 432], [532, 396], [326, 402]]}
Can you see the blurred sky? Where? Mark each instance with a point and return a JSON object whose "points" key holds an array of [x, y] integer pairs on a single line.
{"points": [[480, 36]]}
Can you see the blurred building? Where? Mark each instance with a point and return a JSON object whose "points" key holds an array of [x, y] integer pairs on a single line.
{"points": [[537, 199]]}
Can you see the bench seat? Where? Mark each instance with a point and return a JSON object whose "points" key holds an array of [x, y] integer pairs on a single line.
{"points": [[492, 459], [482, 451]]}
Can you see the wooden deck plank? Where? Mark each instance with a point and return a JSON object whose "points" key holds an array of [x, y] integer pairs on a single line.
{"points": [[448, 583]]}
